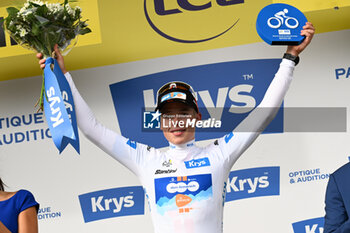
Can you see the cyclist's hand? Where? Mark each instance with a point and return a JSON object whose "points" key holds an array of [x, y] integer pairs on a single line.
{"points": [[59, 59], [308, 31]]}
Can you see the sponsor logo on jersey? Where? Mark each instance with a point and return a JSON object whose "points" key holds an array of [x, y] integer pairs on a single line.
{"points": [[226, 91], [253, 182], [228, 137], [195, 163], [180, 194], [167, 163], [168, 171], [132, 144], [314, 225], [187, 145], [111, 203]]}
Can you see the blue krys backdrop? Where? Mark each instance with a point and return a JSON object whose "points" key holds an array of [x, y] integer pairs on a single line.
{"points": [[226, 91]]}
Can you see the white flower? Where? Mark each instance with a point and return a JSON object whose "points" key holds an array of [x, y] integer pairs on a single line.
{"points": [[24, 13], [23, 32], [28, 12], [38, 2], [51, 6], [70, 10], [77, 10], [21, 11], [54, 8]]}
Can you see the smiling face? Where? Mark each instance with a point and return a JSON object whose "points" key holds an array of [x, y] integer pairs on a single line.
{"points": [[172, 115]]}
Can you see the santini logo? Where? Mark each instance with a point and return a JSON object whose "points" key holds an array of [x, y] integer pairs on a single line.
{"points": [[111, 203], [314, 225], [204, 162], [181, 21], [253, 182]]}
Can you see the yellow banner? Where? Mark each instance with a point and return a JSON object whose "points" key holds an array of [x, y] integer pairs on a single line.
{"points": [[144, 29], [315, 5]]}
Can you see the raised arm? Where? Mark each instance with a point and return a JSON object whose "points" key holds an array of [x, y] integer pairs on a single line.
{"points": [[235, 143], [120, 148]]}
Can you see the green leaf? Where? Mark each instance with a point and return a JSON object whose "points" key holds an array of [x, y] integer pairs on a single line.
{"points": [[35, 30], [42, 11], [30, 18], [84, 31], [42, 20], [12, 11], [34, 4], [7, 21]]}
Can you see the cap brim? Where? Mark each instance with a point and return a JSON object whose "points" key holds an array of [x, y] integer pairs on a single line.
{"points": [[161, 105]]}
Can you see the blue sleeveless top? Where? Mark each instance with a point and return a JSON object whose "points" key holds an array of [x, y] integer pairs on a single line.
{"points": [[11, 208]]}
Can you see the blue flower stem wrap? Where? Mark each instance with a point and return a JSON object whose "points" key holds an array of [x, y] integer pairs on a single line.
{"points": [[59, 107]]}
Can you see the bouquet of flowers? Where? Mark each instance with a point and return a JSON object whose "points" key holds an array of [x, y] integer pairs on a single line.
{"points": [[39, 26]]}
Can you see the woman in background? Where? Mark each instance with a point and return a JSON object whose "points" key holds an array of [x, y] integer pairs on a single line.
{"points": [[18, 211]]}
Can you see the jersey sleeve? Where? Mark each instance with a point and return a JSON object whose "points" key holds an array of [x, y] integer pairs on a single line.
{"points": [[236, 142], [26, 200], [127, 152]]}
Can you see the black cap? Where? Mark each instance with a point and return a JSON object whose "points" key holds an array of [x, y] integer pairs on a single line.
{"points": [[176, 91]]}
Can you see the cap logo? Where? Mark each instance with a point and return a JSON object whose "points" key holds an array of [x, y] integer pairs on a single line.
{"points": [[173, 95], [172, 85]]}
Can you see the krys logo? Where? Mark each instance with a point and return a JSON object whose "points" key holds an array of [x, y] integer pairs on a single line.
{"points": [[314, 225], [225, 91], [253, 182], [194, 163], [189, 21], [111, 203]]}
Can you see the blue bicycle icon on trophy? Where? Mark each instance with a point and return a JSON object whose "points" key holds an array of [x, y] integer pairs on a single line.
{"points": [[280, 18]]}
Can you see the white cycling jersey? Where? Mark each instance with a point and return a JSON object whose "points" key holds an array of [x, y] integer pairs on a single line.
{"points": [[185, 185]]}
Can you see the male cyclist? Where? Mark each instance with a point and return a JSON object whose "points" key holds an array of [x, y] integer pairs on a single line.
{"points": [[186, 184]]}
